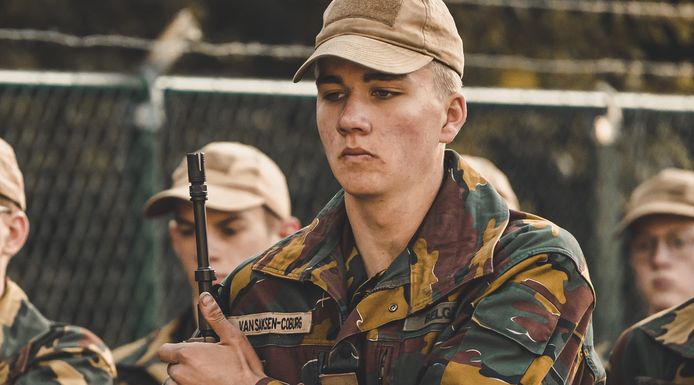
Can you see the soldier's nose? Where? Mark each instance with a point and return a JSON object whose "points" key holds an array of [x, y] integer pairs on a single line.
{"points": [[661, 255]]}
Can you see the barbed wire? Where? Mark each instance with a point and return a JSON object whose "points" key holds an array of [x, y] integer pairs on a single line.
{"points": [[579, 67], [631, 8], [299, 52], [129, 42]]}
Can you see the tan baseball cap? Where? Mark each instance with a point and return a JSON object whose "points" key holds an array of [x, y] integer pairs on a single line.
{"points": [[392, 36], [671, 191], [496, 177], [11, 180], [238, 176]]}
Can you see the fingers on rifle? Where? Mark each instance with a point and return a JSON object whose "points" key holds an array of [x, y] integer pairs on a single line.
{"points": [[216, 319], [170, 353], [173, 371], [228, 333]]}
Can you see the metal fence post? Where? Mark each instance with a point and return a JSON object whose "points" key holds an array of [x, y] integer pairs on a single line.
{"points": [[607, 270], [148, 119]]}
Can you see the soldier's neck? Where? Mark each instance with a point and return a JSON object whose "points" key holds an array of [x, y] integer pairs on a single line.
{"points": [[382, 228]]}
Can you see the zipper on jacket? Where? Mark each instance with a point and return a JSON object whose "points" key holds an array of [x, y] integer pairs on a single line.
{"points": [[383, 363]]}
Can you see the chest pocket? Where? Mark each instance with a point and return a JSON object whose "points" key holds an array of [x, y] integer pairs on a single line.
{"points": [[510, 329], [517, 313]]}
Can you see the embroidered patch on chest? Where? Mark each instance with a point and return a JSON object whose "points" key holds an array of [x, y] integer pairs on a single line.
{"points": [[439, 314], [273, 323]]}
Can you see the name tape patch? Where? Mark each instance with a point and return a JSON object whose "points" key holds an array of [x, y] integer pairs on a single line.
{"points": [[273, 323], [441, 313]]}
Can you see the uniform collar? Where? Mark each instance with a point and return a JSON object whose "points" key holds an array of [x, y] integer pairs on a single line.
{"points": [[454, 244], [10, 302], [673, 328], [20, 322]]}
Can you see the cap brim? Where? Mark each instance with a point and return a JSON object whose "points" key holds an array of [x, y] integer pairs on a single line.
{"points": [[218, 198], [371, 53], [654, 208]]}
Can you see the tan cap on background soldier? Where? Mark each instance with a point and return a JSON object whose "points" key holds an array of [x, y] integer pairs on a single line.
{"points": [[11, 180], [240, 180], [659, 222], [248, 209], [238, 177]]}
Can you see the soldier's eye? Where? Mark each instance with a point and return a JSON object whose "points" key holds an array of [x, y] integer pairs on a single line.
{"points": [[228, 231], [384, 93], [677, 243], [332, 96], [642, 246], [185, 231]]}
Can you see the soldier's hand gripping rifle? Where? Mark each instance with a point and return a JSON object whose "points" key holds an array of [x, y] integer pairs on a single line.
{"points": [[204, 275]]}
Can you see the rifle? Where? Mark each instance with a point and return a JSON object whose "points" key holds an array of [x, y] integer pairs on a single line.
{"points": [[204, 275]]}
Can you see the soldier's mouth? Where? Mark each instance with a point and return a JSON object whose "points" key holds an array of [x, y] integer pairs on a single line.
{"points": [[662, 284]]}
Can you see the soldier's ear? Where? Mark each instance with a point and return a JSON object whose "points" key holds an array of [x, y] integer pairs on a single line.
{"points": [[17, 232], [456, 114]]}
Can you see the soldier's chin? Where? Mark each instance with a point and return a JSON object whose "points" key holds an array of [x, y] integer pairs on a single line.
{"points": [[665, 301]]}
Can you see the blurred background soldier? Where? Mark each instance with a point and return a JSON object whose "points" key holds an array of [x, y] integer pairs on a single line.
{"points": [[496, 177], [248, 209], [659, 225], [34, 350]]}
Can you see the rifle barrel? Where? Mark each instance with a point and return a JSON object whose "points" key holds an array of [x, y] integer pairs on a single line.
{"points": [[204, 275]]}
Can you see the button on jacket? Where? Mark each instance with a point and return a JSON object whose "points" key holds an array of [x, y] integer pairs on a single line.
{"points": [[481, 295]]}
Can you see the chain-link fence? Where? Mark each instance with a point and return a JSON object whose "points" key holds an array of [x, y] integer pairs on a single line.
{"points": [[90, 163]]}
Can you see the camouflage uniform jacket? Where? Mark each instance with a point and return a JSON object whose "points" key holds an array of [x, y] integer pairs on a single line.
{"points": [[36, 351], [480, 296], [138, 362], [656, 350]]}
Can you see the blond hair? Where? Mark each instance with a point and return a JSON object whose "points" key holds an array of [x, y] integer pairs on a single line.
{"points": [[446, 80]]}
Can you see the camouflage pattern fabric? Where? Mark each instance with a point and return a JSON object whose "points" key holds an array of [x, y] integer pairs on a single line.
{"points": [[35, 351], [138, 362], [656, 350], [480, 296]]}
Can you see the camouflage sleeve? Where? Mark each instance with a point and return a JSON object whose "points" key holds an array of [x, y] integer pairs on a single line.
{"points": [[528, 327], [67, 355]]}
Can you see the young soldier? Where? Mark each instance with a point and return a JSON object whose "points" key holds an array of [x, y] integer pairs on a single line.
{"points": [[416, 272], [659, 226], [34, 350], [248, 209]]}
